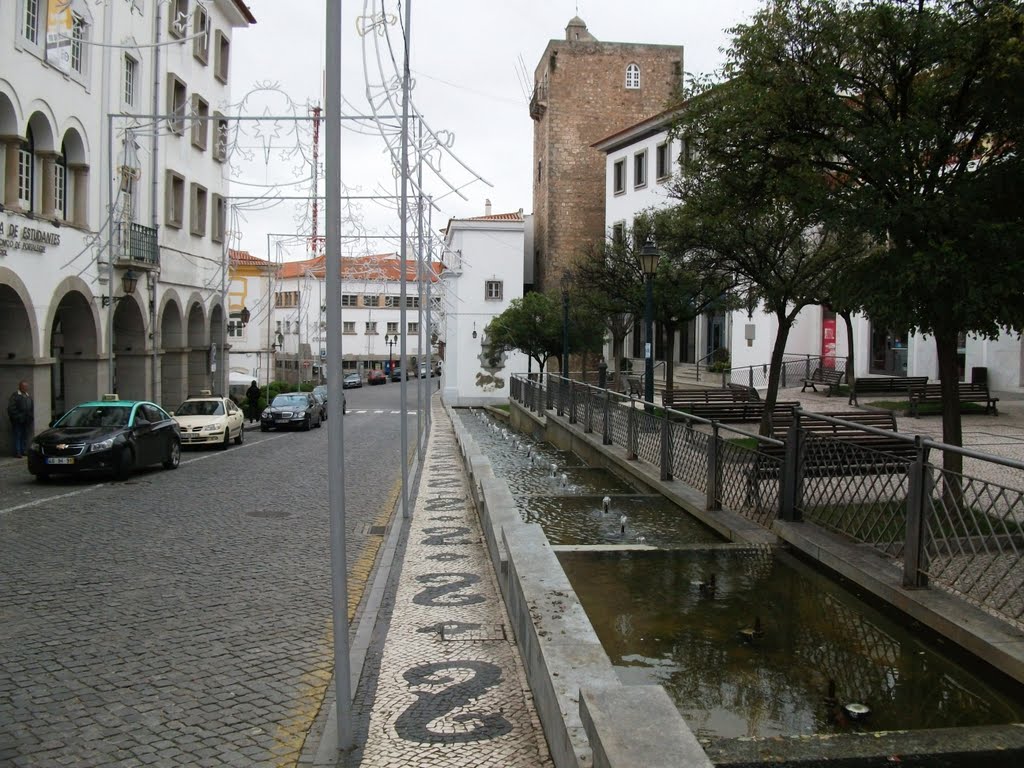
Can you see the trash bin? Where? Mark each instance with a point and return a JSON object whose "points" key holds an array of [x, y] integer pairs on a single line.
{"points": [[979, 375]]}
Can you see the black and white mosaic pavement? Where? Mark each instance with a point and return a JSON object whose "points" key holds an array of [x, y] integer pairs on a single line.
{"points": [[450, 689]]}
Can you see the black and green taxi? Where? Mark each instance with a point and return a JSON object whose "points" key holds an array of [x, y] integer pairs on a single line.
{"points": [[108, 435]]}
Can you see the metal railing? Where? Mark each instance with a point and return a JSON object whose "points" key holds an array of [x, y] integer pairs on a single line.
{"points": [[795, 368], [962, 533], [137, 243]]}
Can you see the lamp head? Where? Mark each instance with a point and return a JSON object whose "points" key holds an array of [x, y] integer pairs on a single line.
{"points": [[128, 281], [649, 257]]}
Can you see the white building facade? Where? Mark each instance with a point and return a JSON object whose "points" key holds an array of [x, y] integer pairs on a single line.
{"points": [[289, 343], [113, 243], [641, 160], [112, 258], [485, 258]]}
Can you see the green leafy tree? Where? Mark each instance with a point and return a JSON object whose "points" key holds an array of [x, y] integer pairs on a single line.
{"points": [[913, 110], [531, 324]]}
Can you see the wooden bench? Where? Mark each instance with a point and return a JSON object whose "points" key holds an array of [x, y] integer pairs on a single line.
{"points": [[829, 378], [870, 385], [967, 393], [823, 458], [732, 411], [633, 386], [676, 398]]}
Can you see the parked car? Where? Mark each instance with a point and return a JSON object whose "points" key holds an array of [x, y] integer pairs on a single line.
{"points": [[396, 374], [108, 435], [320, 393], [424, 373], [351, 381], [292, 409], [376, 376], [209, 420]]}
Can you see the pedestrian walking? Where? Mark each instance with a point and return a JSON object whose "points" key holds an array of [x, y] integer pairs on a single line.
{"points": [[253, 393], [19, 411]]}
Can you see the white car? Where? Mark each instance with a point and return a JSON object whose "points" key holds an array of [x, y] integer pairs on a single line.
{"points": [[210, 420]]}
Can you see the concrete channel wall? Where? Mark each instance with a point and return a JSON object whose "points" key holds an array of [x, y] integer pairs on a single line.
{"points": [[589, 717]]}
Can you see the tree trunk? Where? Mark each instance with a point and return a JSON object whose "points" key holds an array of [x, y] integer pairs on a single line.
{"points": [[850, 367], [669, 332], [775, 371], [952, 429], [618, 350]]}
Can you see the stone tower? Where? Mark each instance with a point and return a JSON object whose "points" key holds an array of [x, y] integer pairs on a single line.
{"points": [[585, 90]]}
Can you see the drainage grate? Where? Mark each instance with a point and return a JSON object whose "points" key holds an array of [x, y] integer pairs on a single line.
{"points": [[371, 530], [452, 633]]}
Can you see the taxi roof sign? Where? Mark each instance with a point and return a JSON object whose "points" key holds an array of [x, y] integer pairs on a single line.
{"points": [[110, 398], [205, 392]]}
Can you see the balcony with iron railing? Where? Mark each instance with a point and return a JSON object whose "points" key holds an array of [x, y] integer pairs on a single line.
{"points": [[135, 245]]}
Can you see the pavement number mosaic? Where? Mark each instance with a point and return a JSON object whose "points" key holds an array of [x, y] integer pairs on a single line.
{"points": [[451, 688]]}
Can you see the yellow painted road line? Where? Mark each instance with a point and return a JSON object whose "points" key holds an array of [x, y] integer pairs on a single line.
{"points": [[290, 734]]}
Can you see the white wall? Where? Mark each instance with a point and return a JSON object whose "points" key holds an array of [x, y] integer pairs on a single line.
{"points": [[489, 250]]}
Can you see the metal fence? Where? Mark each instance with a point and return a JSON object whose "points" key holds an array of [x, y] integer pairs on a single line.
{"points": [[795, 368], [962, 533]]}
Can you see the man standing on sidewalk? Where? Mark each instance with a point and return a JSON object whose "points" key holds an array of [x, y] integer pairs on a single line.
{"points": [[20, 410]]}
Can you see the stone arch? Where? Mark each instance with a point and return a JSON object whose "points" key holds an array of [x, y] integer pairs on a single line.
{"points": [[10, 110], [19, 331], [174, 352], [198, 345], [129, 349], [42, 124], [72, 333]]}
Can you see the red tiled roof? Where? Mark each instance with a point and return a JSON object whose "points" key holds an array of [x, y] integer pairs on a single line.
{"points": [[244, 258], [381, 266]]}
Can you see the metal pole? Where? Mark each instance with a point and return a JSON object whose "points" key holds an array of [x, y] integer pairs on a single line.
{"points": [[421, 432], [110, 251], [335, 433], [404, 328], [649, 344], [565, 334]]}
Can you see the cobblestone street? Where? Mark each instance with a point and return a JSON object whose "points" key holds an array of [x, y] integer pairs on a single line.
{"points": [[182, 618]]}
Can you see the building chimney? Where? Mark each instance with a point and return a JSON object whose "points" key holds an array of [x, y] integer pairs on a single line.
{"points": [[487, 207]]}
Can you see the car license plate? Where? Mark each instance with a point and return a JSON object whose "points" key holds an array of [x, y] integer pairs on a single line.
{"points": [[60, 460]]}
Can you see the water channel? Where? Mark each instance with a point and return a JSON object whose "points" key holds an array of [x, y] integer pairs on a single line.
{"points": [[747, 641]]}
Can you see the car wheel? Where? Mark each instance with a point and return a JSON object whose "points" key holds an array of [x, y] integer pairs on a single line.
{"points": [[174, 457], [264, 428], [241, 435], [305, 424], [320, 422], [227, 439], [125, 464]]}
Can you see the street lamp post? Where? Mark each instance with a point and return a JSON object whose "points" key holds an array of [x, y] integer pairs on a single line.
{"points": [[649, 256], [565, 283], [390, 341]]}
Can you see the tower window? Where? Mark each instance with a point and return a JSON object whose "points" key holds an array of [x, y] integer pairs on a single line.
{"points": [[633, 76]]}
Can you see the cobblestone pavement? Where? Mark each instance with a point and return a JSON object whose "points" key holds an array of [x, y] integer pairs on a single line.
{"points": [[444, 685], [181, 618]]}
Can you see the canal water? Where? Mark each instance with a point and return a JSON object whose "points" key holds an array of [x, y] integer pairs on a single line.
{"points": [[747, 642]]}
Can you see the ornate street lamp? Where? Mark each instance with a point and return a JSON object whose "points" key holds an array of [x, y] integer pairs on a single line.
{"points": [[244, 315], [390, 341], [649, 256]]}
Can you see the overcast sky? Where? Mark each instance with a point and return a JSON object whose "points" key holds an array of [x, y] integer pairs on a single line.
{"points": [[472, 63]]}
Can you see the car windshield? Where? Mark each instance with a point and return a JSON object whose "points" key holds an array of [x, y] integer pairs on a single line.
{"points": [[320, 391], [96, 416], [200, 408], [290, 401]]}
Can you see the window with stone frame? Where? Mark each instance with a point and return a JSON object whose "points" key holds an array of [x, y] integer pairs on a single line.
{"points": [[174, 203], [200, 121], [131, 72], [350, 300], [371, 300], [493, 290], [663, 160], [348, 327], [640, 169], [221, 56], [177, 103], [199, 198], [201, 35], [79, 51], [392, 328], [31, 21], [177, 18], [26, 172], [619, 177]]}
